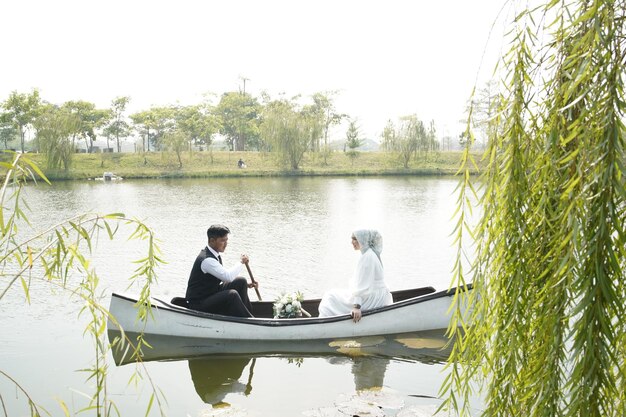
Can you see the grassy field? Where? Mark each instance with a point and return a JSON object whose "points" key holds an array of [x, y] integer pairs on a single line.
{"points": [[224, 164]]}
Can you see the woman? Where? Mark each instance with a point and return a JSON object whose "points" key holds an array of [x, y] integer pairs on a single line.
{"points": [[367, 287]]}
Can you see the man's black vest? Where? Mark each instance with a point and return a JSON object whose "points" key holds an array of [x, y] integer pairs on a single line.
{"points": [[200, 284]]}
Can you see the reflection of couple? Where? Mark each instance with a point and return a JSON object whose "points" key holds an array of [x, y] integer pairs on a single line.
{"points": [[216, 377], [368, 371]]}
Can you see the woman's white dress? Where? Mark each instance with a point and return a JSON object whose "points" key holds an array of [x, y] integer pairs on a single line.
{"points": [[367, 288]]}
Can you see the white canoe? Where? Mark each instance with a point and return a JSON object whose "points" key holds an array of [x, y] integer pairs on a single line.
{"points": [[414, 310]]}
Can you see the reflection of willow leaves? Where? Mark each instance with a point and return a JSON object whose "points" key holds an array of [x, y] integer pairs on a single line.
{"points": [[296, 361]]}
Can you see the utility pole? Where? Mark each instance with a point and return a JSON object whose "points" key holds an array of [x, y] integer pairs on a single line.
{"points": [[244, 79], [241, 139]]}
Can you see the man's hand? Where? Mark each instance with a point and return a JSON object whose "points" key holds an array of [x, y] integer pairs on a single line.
{"points": [[356, 314], [253, 285], [245, 259]]}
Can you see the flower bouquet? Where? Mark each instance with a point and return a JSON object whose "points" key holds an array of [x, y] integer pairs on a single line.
{"points": [[288, 305]]}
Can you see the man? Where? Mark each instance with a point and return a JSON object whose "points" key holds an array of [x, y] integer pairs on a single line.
{"points": [[213, 288]]}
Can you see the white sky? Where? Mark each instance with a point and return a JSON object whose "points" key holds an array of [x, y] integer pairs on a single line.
{"points": [[388, 58]]}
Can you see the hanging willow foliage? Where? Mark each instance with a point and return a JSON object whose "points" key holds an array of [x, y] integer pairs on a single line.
{"points": [[59, 257], [546, 335]]}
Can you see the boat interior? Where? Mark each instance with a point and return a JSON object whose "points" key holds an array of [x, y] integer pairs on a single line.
{"points": [[264, 309]]}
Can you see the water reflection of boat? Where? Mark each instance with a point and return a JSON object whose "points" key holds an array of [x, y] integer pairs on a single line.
{"points": [[220, 368], [428, 347], [413, 310]]}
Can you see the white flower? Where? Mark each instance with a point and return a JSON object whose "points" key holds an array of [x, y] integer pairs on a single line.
{"points": [[288, 305]]}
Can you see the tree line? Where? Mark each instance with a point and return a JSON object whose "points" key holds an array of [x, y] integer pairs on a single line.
{"points": [[289, 127]]}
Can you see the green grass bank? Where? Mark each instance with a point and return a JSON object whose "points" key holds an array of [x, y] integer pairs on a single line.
{"points": [[259, 164]]}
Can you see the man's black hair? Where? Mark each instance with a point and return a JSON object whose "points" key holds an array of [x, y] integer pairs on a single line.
{"points": [[217, 230]]}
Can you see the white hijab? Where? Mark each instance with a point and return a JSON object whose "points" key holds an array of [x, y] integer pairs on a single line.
{"points": [[369, 239]]}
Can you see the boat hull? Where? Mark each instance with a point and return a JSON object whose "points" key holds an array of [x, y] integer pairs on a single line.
{"points": [[417, 314]]}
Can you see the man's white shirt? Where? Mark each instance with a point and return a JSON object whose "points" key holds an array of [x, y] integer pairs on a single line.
{"points": [[213, 267]]}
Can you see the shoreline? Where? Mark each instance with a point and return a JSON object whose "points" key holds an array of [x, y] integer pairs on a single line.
{"points": [[223, 164], [276, 174]]}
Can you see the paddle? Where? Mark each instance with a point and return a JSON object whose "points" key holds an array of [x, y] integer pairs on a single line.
{"points": [[258, 294], [306, 313], [249, 384]]}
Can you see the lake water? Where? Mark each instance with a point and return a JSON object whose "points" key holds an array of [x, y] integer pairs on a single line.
{"points": [[297, 234]]}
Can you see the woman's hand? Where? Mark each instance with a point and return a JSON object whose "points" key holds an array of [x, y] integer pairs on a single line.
{"points": [[356, 314]]}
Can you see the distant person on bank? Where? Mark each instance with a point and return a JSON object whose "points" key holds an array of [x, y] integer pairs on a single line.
{"points": [[367, 288], [214, 289]]}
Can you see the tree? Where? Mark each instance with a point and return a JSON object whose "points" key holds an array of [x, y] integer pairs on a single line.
{"points": [[288, 129], [429, 144], [21, 110], [155, 123], [238, 114], [117, 127], [198, 124], [176, 141], [323, 104], [90, 119], [484, 108], [145, 122], [548, 323], [404, 139], [56, 127], [8, 132], [353, 141], [389, 136], [165, 121]]}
